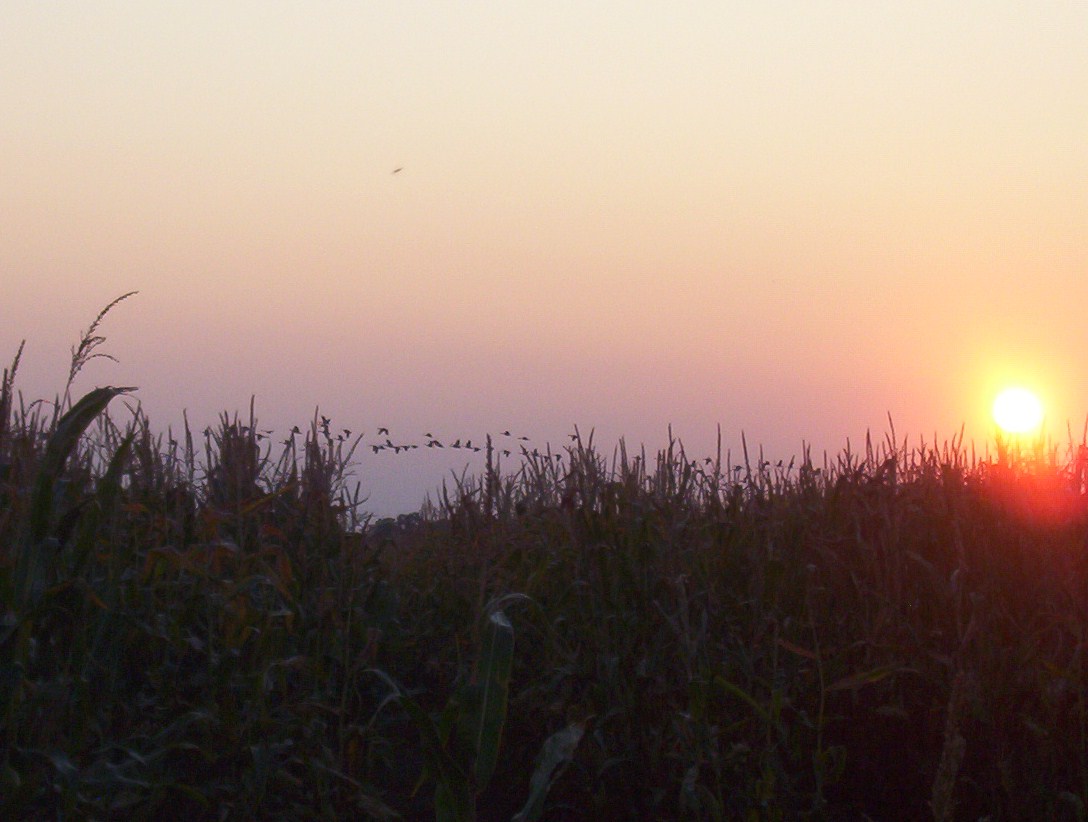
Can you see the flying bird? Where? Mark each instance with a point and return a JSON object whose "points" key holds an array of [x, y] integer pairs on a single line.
{"points": [[398, 169], [382, 431]]}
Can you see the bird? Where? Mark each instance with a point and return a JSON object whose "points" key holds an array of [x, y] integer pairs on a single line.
{"points": [[398, 169], [506, 433], [382, 431]]}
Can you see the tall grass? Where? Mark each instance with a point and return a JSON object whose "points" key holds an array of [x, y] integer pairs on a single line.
{"points": [[211, 625]]}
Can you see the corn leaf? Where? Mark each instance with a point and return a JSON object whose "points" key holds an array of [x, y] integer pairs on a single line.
{"points": [[496, 660], [557, 750]]}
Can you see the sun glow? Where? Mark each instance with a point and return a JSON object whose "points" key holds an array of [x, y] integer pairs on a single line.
{"points": [[1017, 411]]}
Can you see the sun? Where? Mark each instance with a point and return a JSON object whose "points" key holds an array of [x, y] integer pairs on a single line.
{"points": [[1017, 411]]}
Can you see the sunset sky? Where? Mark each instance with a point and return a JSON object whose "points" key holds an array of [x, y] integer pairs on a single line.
{"points": [[792, 218]]}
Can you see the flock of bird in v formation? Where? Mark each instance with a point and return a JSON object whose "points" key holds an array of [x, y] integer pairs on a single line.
{"points": [[432, 441]]}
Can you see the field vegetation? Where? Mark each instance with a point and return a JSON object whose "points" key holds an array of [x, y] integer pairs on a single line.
{"points": [[209, 626]]}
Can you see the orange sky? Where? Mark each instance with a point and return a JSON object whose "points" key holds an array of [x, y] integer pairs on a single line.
{"points": [[791, 219]]}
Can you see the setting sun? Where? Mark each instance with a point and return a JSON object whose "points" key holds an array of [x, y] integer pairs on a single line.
{"points": [[1017, 411]]}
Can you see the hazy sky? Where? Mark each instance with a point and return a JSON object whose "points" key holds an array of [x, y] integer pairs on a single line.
{"points": [[789, 218]]}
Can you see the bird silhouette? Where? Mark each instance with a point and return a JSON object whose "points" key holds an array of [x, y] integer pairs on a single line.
{"points": [[398, 169], [382, 431]]}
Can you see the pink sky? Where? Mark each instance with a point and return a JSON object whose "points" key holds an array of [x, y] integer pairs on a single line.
{"points": [[790, 219]]}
